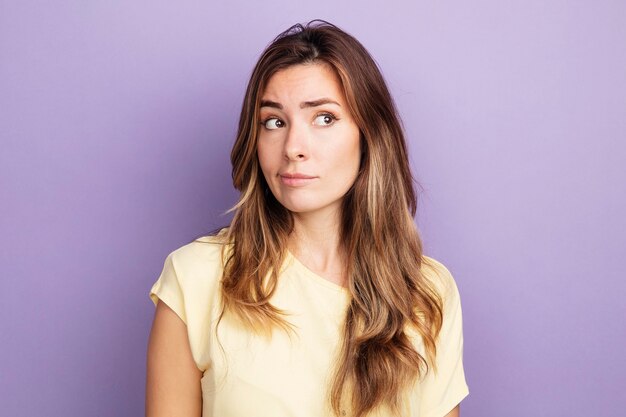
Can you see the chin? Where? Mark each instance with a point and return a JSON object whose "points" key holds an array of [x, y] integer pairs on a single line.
{"points": [[303, 207]]}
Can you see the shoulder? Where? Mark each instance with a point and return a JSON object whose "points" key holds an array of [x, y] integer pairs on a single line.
{"points": [[440, 276], [442, 390], [191, 275], [203, 254], [189, 285], [195, 269]]}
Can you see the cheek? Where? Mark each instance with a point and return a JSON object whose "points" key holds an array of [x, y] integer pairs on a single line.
{"points": [[342, 165], [348, 156], [266, 157]]}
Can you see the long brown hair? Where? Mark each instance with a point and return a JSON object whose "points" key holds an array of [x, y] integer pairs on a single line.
{"points": [[378, 360]]}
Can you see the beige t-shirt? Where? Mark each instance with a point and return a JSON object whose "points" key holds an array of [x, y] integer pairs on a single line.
{"points": [[247, 375]]}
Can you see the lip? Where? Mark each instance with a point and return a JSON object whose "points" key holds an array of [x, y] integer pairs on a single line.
{"points": [[296, 179]]}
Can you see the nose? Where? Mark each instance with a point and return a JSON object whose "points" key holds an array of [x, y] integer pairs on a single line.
{"points": [[297, 143]]}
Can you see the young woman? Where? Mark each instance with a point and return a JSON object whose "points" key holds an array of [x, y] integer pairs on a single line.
{"points": [[317, 300]]}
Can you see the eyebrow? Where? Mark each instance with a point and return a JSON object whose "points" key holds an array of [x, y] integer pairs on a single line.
{"points": [[305, 104]]}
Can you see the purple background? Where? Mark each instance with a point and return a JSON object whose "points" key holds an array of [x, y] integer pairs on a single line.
{"points": [[116, 121]]}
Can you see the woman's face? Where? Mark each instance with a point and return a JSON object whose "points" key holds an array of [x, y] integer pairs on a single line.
{"points": [[308, 144]]}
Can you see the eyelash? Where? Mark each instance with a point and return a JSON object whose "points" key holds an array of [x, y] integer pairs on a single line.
{"points": [[331, 115]]}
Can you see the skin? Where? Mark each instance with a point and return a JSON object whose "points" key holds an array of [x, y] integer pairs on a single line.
{"points": [[173, 381], [456, 412], [300, 134], [307, 128]]}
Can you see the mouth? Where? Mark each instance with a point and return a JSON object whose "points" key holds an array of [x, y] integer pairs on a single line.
{"points": [[296, 179]]}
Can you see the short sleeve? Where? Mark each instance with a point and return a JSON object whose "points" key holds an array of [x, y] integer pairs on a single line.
{"points": [[441, 391], [168, 289], [189, 285]]}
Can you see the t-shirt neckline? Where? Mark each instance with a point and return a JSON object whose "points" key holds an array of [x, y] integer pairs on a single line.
{"points": [[315, 277]]}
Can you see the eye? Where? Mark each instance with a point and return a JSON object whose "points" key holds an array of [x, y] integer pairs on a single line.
{"points": [[273, 123], [325, 119]]}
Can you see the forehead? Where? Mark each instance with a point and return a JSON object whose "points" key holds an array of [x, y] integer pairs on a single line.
{"points": [[304, 82]]}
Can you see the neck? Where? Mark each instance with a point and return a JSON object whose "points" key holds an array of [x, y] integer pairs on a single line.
{"points": [[315, 242]]}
